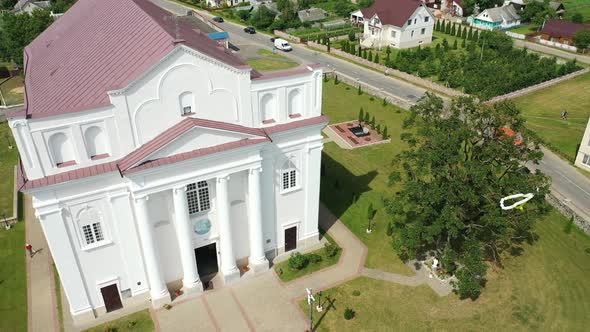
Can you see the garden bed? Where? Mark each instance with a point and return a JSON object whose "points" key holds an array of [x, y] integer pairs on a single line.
{"points": [[345, 130]]}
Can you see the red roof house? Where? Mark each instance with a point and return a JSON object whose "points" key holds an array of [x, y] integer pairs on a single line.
{"points": [[561, 31]]}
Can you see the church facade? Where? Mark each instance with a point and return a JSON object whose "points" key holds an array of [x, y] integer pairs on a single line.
{"points": [[156, 158]]}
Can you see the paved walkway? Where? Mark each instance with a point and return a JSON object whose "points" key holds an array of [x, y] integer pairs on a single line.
{"points": [[42, 304]]}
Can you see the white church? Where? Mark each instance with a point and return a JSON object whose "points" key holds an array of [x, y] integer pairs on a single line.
{"points": [[155, 157]]}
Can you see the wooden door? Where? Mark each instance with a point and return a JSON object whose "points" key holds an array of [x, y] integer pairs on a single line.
{"points": [[111, 298], [291, 238]]}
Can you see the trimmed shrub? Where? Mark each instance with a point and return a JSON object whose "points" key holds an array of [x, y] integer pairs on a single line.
{"points": [[389, 230], [298, 261], [356, 292], [568, 227], [367, 117], [360, 90], [314, 258], [348, 314], [330, 250], [384, 133]]}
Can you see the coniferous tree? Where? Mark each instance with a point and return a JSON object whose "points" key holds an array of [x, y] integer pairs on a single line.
{"points": [[443, 27], [367, 116], [455, 44], [453, 29], [437, 27], [361, 116], [360, 92], [370, 57], [463, 43], [470, 33], [448, 29], [388, 52], [365, 53], [464, 33], [475, 36], [384, 133], [373, 121], [376, 59]]}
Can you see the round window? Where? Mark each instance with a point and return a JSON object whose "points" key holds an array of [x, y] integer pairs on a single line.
{"points": [[203, 226]]}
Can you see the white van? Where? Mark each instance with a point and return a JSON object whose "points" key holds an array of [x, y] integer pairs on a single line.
{"points": [[282, 45]]}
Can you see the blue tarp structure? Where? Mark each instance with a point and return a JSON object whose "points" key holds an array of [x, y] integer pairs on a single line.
{"points": [[219, 35]]}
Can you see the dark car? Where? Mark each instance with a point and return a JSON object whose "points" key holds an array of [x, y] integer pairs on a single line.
{"points": [[218, 19], [249, 30]]}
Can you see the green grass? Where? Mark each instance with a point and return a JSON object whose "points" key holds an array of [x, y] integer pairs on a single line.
{"points": [[267, 53], [8, 159], [140, 321], [542, 110], [544, 289], [13, 91], [266, 64], [525, 29], [577, 6], [290, 274], [13, 280], [362, 172]]}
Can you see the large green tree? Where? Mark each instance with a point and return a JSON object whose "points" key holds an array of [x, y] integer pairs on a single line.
{"points": [[17, 31], [537, 12], [262, 17], [582, 39], [7, 4], [459, 166]]}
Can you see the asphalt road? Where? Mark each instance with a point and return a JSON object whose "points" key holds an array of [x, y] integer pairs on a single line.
{"points": [[569, 185], [398, 88]]}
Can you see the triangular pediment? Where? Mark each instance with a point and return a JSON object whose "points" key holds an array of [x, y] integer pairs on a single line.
{"points": [[190, 135]]}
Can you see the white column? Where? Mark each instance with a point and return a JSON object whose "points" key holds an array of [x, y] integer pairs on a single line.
{"points": [[190, 281], [228, 260], [257, 259], [158, 290]]}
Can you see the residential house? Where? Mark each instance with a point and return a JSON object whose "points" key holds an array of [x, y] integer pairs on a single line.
{"points": [[449, 7], [163, 161], [561, 32], [397, 23], [496, 18], [583, 157], [28, 6]]}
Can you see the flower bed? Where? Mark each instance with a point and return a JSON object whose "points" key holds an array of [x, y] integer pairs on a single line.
{"points": [[343, 131]]}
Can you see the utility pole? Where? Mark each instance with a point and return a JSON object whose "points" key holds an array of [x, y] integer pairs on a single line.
{"points": [[310, 300]]}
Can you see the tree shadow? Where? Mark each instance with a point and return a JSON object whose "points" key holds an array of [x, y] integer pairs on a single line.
{"points": [[340, 188]]}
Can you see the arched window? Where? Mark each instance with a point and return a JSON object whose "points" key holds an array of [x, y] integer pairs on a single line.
{"points": [[295, 104], [91, 227], [187, 102], [95, 143], [61, 150], [267, 108], [289, 176]]}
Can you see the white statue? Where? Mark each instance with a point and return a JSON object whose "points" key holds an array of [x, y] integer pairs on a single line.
{"points": [[365, 130], [434, 265]]}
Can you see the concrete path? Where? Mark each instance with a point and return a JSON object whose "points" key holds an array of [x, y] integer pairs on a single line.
{"points": [[41, 297]]}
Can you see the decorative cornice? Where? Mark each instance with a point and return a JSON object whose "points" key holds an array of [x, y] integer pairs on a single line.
{"points": [[223, 178]]}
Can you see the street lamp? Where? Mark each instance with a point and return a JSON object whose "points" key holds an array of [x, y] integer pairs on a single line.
{"points": [[310, 300], [319, 307]]}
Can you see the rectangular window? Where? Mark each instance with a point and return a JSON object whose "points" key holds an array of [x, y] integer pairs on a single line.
{"points": [[88, 236], [423, 31], [393, 34], [415, 20], [97, 231], [409, 22], [586, 160], [289, 179], [412, 34], [426, 19], [197, 196]]}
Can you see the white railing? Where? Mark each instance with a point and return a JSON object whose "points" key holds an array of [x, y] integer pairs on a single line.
{"points": [[558, 45], [515, 35]]}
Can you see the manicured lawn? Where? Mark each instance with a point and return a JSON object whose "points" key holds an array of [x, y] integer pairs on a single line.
{"points": [[13, 280], [13, 91], [545, 289], [290, 274], [542, 111], [140, 321], [8, 159], [269, 61], [525, 29], [362, 173]]}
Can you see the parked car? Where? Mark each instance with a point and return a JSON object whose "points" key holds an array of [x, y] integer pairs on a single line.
{"points": [[218, 19], [249, 30], [282, 45]]}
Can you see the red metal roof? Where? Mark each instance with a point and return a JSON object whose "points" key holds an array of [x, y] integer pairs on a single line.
{"points": [[559, 28], [177, 130], [125, 164], [392, 12], [103, 45]]}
